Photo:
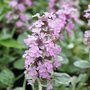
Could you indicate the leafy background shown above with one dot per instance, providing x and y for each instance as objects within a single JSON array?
[{"x": 74, "y": 74}]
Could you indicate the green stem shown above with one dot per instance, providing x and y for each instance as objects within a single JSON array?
[
  {"x": 13, "y": 31},
  {"x": 72, "y": 87},
  {"x": 24, "y": 84},
  {"x": 33, "y": 87},
  {"x": 19, "y": 77},
  {"x": 88, "y": 70},
  {"x": 89, "y": 52},
  {"x": 39, "y": 85}
]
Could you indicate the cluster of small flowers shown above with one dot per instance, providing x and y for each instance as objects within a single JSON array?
[
  {"x": 17, "y": 14},
  {"x": 69, "y": 3},
  {"x": 41, "y": 59},
  {"x": 87, "y": 14},
  {"x": 66, "y": 4},
  {"x": 63, "y": 3},
  {"x": 87, "y": 33},
  {"x": 72, "y": 4}
]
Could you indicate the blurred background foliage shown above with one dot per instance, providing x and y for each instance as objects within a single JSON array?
[{"x": 75, "y": 67}]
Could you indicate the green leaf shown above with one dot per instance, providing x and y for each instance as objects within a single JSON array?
[
  {"x": 11, "y": 43},
  {"x": 18, "y": 88},
  {"x": 82, "y": 78},
  {"x": 19, "y": 64},
  {"x": 61, "y": 88},
  {"x": 4, "y": 34},
  {"x": 21, "y": 38},
  {"x": 82, "y": 64},
  {"x": 61, "y": 79},
  {"x": 6, "y": 60},
  {"x": 6, "y": 78},
  {"x": 63, "y": 59}
]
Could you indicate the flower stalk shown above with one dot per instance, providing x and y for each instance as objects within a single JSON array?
[
  {"x": 24, "y": 84},
  {"x": 39, "y": 85}
]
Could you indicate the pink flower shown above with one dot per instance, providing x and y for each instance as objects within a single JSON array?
[
  {"x": 28, "y": 61},
  {"x": 87, "y": 37},
  {"x": 87, "y": 34},
  {"x": 24, "y": 17},
  {"x": 30, "y": 40},
  {"x": 34, "y": 52},
  {"x": 70, "y": 27},
  {"x": 21, "y": 7},
  {"x": 88, "y": 10},
  {"x": 48, "y": 66},
  {"x": 9, "y": 16},
  {"x": 33, "y": 72},
  {"x": 45, "y": 70},
  {"x": 56, "y": 63},
  {"x": 52, "y": 5},
  {"x": 87, "y": 14},
  {"x": 28, "y": 2},
  {"x": 19, "y": 23},
  {"x": 38, "y": 24},
  {"x": 13, "y": 4},
  {"x": 52, "y": 49},
  {"x": 50, "y": 86}
]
